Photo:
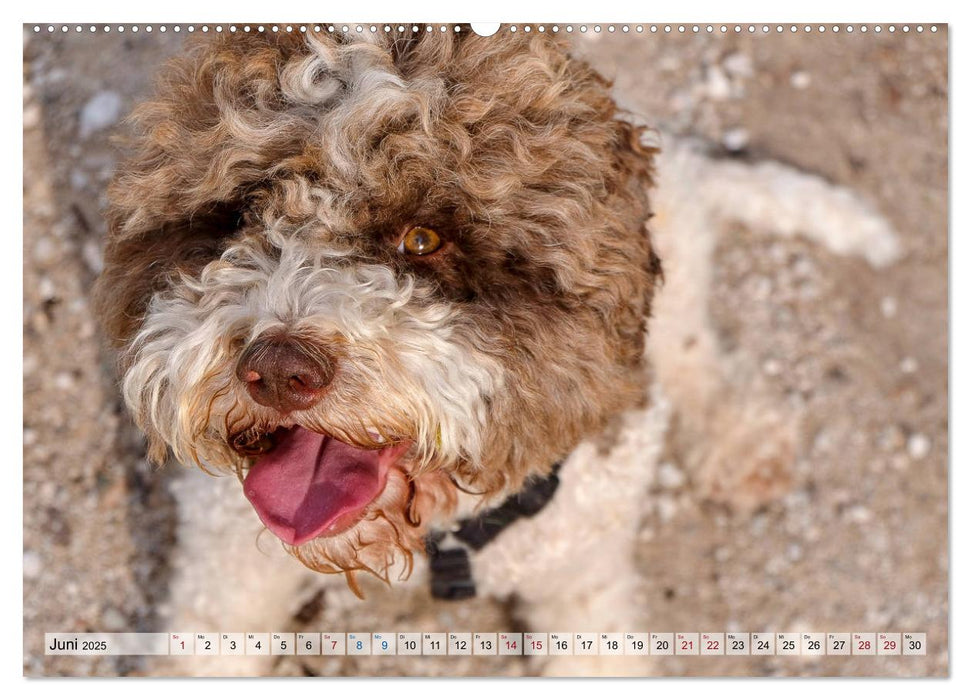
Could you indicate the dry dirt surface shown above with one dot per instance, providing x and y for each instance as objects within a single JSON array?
[{"x": 858, "y": 540}]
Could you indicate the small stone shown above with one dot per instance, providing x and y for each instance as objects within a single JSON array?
[
  {"x": 666, "y": 508},
  {"x": 91, "y": 252},
  {"x": 100, "y": 112},
  {"x": 823, "y": 442},
  {"x": 738, "y": 65},
  {"x": 670, "y": 477},
  {"x": 31, "y": 115},
  {"x": 63, "y": 381},
  {"x": 772, "y": 367},
  {"x": 794, "y": 552},
  {"x": 78, "y": 179},
  {"x": 859, "y": 514},
  {"x": 908, "y": 365},
  {"x": 46, "y": 288},
  {"x": 918, "y": 446},
  {"x": 33, "y": 564},
  {"x": 800, "y": 79},
  {"x": 888, "y": 307},
  {"x": 717, "y": 85},
  {"x": 113, "y": 619},
  {"x": 44, "y": 250},
  {"x": 48, "y": 492},
  {"x": 736, "y": 139}
]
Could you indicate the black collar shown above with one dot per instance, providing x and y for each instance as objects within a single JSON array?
[{"x": 451, "y": 570}]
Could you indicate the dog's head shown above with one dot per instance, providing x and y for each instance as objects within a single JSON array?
[{"x": 364, "y": 272}]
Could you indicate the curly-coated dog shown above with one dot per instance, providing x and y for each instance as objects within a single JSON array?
[
  {"x": 399, "y": 284},
  {"x": 372, "y": 275}
]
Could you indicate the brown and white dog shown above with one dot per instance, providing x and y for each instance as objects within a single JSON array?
[{"x": 389, "y": 281}]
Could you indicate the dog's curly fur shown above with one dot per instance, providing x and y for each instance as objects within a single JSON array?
[{"x": 271, "y": 179}]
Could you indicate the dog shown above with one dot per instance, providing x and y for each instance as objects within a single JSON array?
[{"x": 399, "y": 285}]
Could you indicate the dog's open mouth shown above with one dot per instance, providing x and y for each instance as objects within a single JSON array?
[{"x": 310, "y": 485}]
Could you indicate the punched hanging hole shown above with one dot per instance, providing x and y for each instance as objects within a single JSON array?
[{"x": 485, "y": 28}]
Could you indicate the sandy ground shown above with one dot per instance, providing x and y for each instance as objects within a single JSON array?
[{"x": 859, "y": 539}]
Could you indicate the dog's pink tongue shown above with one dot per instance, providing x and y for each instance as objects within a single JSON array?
[{"x": 308, "y": 481}]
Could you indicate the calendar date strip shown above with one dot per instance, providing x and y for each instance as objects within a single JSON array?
[{"x": 487, "y": 644}]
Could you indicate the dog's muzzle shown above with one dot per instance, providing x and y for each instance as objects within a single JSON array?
[{"x": 283, "y": 373}]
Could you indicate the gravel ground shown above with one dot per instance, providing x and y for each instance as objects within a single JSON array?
[{"x": 858, "y": 542}]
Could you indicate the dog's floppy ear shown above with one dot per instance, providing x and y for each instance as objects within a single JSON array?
[
  {"x": 184, "y": 190},
  {"x": 139, "y": 265}
]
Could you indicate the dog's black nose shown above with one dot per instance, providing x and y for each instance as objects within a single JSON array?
[{"x": 284, "y": 374}]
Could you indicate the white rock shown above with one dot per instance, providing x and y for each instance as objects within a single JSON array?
[
  {"x": 78, "y": 179},
  {"x": 100, "y": 112},
  {"x": 717, "y": 85},
  {"x": 91, "y": 252},
  {"x": 735, "y": 139},
  {"x": 918, "y": 446},
  {"x": 738, "y": 65},
  {"x": 888, "y": 307},
  {"x": 31, "y": 115},
  {"x": 666, "y": 508},
  {"x": 859, "y": 514},
  {"x": 63, "y": 381},
  {"x": 44, "y": 250},
  {"x": 46, "y": 288},
  {"x": 33, "y": 564},
  {"x": 670, "y": 477},
  {"x": 908, "y": 365},
  {"x": 800, "y": 79},
  {"x": 113, "y": 619}
]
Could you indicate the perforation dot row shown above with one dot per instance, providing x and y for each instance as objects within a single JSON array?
[{"x": 583, "y": 28}]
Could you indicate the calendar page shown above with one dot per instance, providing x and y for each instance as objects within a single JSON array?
[{"x": 522, "y": 349}]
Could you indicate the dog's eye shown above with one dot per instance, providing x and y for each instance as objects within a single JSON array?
[{"x": 420, "y": 241}]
